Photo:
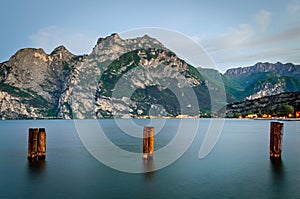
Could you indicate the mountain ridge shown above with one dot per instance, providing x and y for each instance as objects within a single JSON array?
[
  {"x": 287, "y": 69},
  {"x": 34, "y": 84},
  {"x": 271, "y": 105}
]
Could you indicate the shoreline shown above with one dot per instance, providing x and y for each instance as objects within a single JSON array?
[{"x": 206, "y": 118}]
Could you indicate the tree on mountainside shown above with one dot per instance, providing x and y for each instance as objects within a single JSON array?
[
  {"x": 270, "y": 111},
  {"x": 286, "y": 110}
]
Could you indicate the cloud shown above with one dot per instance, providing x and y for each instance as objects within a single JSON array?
[
  {"x": 234, "y": 38},
  {"x": 228, "y": 48},
  {"x": 50, "y": 37},
  {"x": 263, "y": 19},
  {"x": 293, "y": 7},
  {"x": 286, "y": 35},
  {"x": 241, "y": 36},
  {"x": 244, "y": 45}
]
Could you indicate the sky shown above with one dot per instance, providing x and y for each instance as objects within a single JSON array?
[{"x": 234, "y": 33}]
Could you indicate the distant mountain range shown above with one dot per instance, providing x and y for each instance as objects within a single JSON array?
[
  {"x": 151, "y": 80},
  {"x": 262, "y": 79},
  {"x": 281, "y": 104}
]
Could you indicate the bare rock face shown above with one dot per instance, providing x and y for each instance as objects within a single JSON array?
[
  {"x": 267, "y": 89},
  {"x": 29, "y": 70},
  {"x": 288, "y": 69},
  {"x": 35, "y": 71},
  {"x": 145, "y": 80},
  {"x": 153, "y": 80},
  {"x": 13, "y": 108},
  {"x": 112, "y": 47},
  {"x": 263, "y": 79},
  {"x": 85, "y": 95},
  {"x": 269, "y": 104},
  {"x": 34, "y": 80}
]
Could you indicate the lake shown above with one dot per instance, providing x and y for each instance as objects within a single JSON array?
[{"x": 238, "y": 166}]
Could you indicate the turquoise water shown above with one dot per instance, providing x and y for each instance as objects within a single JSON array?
[{"x": 237, "y": 167}]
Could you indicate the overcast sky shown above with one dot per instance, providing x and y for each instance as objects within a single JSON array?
[{"x": 233, "y": 32}]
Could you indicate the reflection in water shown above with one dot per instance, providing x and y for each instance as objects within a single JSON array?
[
  {"x": 277, "y": 168},
  {"x": 149, "y": 167},
  {"x": 35, "y": 178},
  {"x": 277, "y": 177},
  {"x": 36, "y": 165}
]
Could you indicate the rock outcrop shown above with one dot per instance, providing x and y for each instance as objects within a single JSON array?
[
  {"x": 128, "y": 78},
  {"x": 287, "y": 69},
  {"x": 34, "y": 80},
  {"x": 262, "y": 79},
  {"x": 269, "y": 104}
]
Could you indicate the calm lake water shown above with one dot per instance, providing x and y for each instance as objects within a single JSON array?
[{"x": 237, "y": 167}]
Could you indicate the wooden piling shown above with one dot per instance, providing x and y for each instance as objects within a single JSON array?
[
  {"x": 276, "y": 132},
  {"x": 42, "y": 143},
  {"x": 148, "y": 142},
  {"x": 151, "y": 141},
  {"x": 34, "y": 143},
  {"x": 145, "y": 144},
  {"x": 30, "y": 143}
]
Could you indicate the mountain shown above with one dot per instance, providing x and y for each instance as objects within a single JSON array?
[
  {"x": 151, "y": 80},
  {"x": 62, "y": 85},
  {"x": 112, "y": 47},
  {"x": 32, "y": 81},
  {"x": 260, "y": 80},
  {"x": 288, "y": 69},
  {"x": 128, "y": 78},
  {"x": 275, "y": 104},
  {"x": 157, "y": 72},
  {"x": 150, "y": 77}
]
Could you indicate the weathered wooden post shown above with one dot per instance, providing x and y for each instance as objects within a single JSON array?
[
  {"x": 148, "y": 142},
  {"x": 42, "y": 144},
  {"x": 30, "y": 143},
  {"x": 34, "y": 143},
  {"x": 276, "y": 132},
  {"x": 145, "y": 144},
  {"x": 151, "y": 141}
]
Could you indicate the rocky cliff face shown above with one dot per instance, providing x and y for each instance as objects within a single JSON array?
[
  {"x": 34, "y": 80},
  {"x": 281, "y": 69},
  {"x": 127, "y": 78},
  {"x": 263, "y": 79},
  {"x": 90, "y": 89},
  {"x": 267, "y": 89},
  {"x": 269, "y": 104},
  {"x": 13, "y": 108},
  {"x": 112, "y": 47},
  {"x": 142, "y": 79},
  {"x": 82, "y": 84}
]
